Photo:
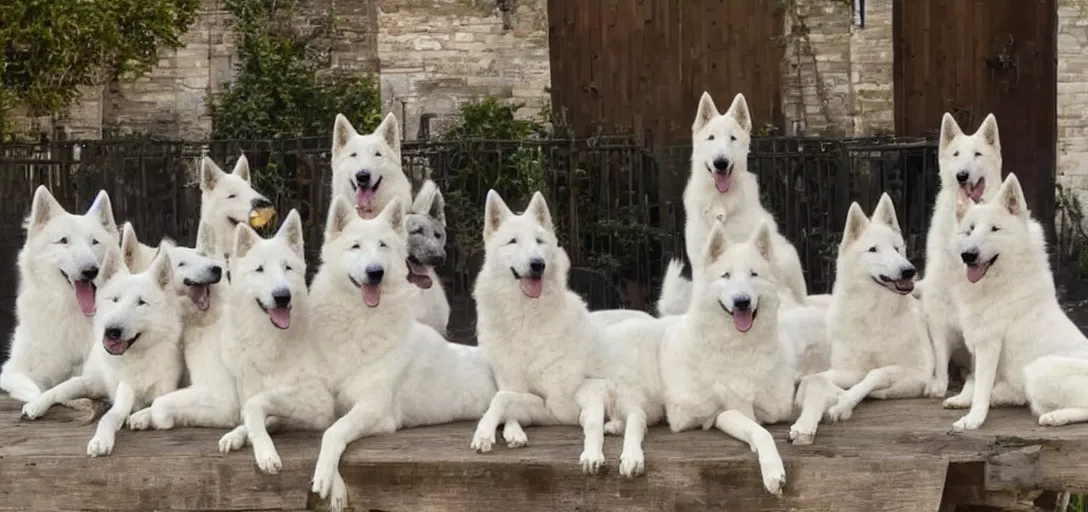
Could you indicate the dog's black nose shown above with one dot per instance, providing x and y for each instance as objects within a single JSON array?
[
  {"x": 217, "y": 272},
  {"x": 536, "y": 267},
  {"x": 908, "y": 273},
  {"x": 89, "y": 273},
  {"x": 721, "y": 164},
  {"x": 260, "y": 202},
  {"x": 362, "y": 177},
  {"x": 969, "y": 256},
  {"x": 962, "y": 176},
  {"x": 114, "y": 333},
  {"x": 282, "y": 297},
  {"x": 375, "y": 273},
  {"x": 742, "y": 302}
]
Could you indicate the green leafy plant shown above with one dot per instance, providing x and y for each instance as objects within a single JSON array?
[{"x": 52, "y": 48}]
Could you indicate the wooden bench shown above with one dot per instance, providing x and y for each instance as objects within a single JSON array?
[{"x": 892, "y": 456}]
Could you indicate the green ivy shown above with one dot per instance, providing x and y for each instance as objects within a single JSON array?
[{"x": 52, "y": 48}]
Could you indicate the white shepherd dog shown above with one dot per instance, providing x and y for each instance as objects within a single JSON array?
[
  {"x": 1026, "y": 350},
  {"x": 879, "y": 345},
  {"x": 135, "y": 357},
  {"x": 228, "y": 200},
  {"x": 727, "y": 363},
  {"x": 136, "y": 254},
  {"x": 267, "y": 345},
  {"x": 722, "y": 190},
  {"x": 58, "y": 270},
  {"x": 970, "y": 168},
  {"x": 536, "y": 334},
  {"x": 208, "y": 398},
  {"x": 390, "y": 372},
  {"x": 366, "y": 169},
  {"x": 426, "y": 223}
]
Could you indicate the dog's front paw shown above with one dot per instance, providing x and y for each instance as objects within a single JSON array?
[
  {"x": 592, "y": 462},
  {"x": 632, "y": 463},
  {"x": 267, "y": 459},
  {"x": 957, "y": 402},
  {"x": 1052, "y": 419},
  {"x": 483, "y": 441},
  {"x": 514, "y": 435},
  {"x": 338, "y": 494},
  {"x": 139, "y": 420},
  {"x": 324, "y": 479},
  {"x": 232, "y": 441},
  {"x": 968, "y": 422},
  {"x": 937, "y": 388},
  {"x": 802, "y": 435},
  {"x": 100, "y": 445},
  {"x": 774, "y": 475},
  {"x": 34, "y": 409},
  {"x": 839, "y": 412}
]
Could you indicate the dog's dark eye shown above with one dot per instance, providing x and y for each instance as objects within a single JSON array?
[
  {"x": 356, "y": 246},
  {"x": 140, "y": 302},
  {"x": 995, "y": 229},
  {"x": 438, "y": 236},
  {"x": 94, "y": 241},
  {"x": 872, "y": 249},
  {"x": 711, "y": 137},
  {"x": 539, "y": 241},
  {"x": 957, "y": 153},
  {"x": 287, "y": 267},
  {"x": 181, "y": 264},
  {"x": 754, "y": 274},
  {"x": 382, "y": 244},
  {"x": 978, "y": 153},
  {"x": 115, "y": 299},
  {"x": 725, "y": 275},
  {"x": 260, "y": 269},
  {"x": 232, "y": 196},
  {"x": 733, "y": 137},
  {"x": 353, "y": 155},
  {"x": 377, "y": 153},
  {"x": 63, "y": 240},
  {"x": 970, "y": 228},
  {"x": 512, "y": 241}
]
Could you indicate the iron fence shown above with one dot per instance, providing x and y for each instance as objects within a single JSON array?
[{"x": 615, "y": 201}]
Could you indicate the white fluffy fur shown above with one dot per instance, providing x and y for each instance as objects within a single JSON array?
[
  {"x": 226, "y": 200},
  {"x": 52, "y": 334},
  {"x": 378, "y": 153},
  {"x": 390, "y": 371},
  {"x": 979, "y": 155},
  {"x": 276, "y": 370},
  {"x": 879, "y": 344},
  {"x": 538, "y": 347},
  {"x": 143, "y": 310},
  {"x": 716, "y": 375},
  {"x": 1025, "y": 349},
  {"x": 136, "y": 254}
]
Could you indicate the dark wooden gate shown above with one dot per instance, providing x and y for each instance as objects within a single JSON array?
[
  {"x": 641, "y": 65},
  {"x": 973, "y": 57}
]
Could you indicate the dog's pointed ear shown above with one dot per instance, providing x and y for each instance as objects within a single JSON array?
[
  {"x": 205, "y": 239},
  {"x": 241, "y": 167},
  {"x": 716, "y": 244},
  {"x": 102, "y": 209},
  {"x": 129, "y": 245},
  {"x": 707, "y": 111},
  {"x": 161, "y": 268},
  {"x": 538, "y": 207},
  {"x": 340, "y": 214},
  {"x": 42, "y": 209},
  {"x": 738, "y": 110},
  {"x": 112, "y": 265},
  {"x": 950, "y": 129},
  {"x": 761, "y": 238},
  {"x": 291, "y": 233},
  {"x": 438, "y": 206},
  {"x": 885, "y": 212},
  {"x": 856, "y": 222},
  {"x": 988, "y": 129},
  {"x": 209, "y": 174},
  {"x": 495, "y": 213},
  {"x": 342, "y": 132},
  {"x": 1011, "y": 196},
  {"x": 394, "y": 213},
  {"x": 389, "y": 131},
  {"x": 244, "y": 239}
]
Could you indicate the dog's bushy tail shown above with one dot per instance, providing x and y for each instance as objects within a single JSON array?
[{"x": 675, "y": 291}]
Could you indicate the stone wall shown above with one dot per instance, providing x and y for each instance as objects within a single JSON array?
[
  {"x": 437, "y": 54},
  {"x": 1073, "y": 96}
]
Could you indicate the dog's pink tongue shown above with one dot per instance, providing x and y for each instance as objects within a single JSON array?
[
  {"x": 531, "y": 287},
  {"x": 114, "y": 347},
  {"x": 974, "y": 274},
  {"x": 722, "y": 181},
  {"x": 421, "y": 280},
  {"x": 85, "y": 297},
  {"x": 364, "y": 199},
  {"x": 201, "y": 294},
  {"x": 372, "y": 294},
  {"x": 742, "y": 319},
  {"x": 281, "y": 317},
  {"x": 977, "y": 190}
]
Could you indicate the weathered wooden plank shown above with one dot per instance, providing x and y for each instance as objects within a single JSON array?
[{"x": 891, "y": 456}]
